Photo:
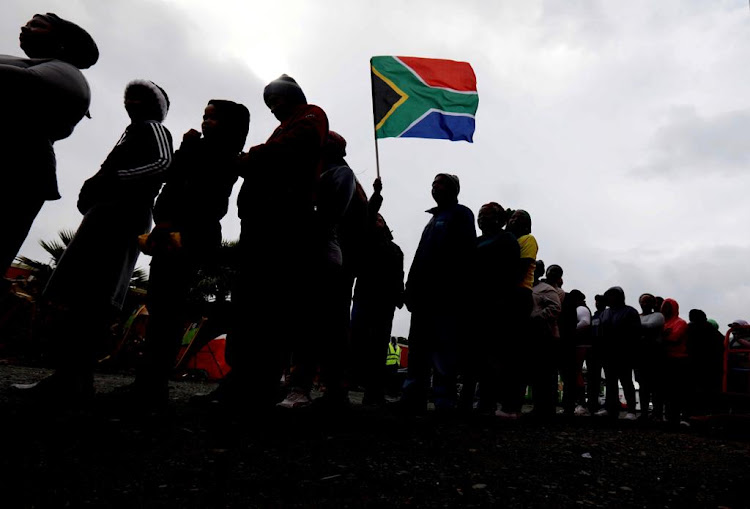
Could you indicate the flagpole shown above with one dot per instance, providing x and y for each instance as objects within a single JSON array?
[
  {"x": 377, "y": 157},
  {"x": 374, "y": 128}
]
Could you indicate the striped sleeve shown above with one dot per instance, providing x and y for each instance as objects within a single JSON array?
[{"x": 160, "y": 155}]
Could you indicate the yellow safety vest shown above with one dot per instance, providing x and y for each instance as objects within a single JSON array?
[{"x": 394, "y": 355}]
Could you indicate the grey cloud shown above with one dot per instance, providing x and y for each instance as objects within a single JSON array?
[{"x": 691, "y": 144}]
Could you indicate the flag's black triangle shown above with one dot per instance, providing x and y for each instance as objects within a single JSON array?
[{"x": 384, "y": 97}]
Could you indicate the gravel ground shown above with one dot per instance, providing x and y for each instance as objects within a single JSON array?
[{"x": 359, "y": 458}]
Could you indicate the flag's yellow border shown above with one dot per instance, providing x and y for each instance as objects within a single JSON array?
[{"x": 400, "y": 92}]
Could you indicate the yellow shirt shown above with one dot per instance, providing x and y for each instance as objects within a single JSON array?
[{"x": 529, "y": 249}]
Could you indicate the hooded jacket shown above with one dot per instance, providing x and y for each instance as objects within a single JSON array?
[
  {"x": 619, "y": 324},
  {"x": 282, "y": 174},
  {"x": 675, "y": 330}
]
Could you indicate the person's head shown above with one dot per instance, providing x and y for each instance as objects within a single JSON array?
[
  {"x": 658, "y": 302},
  {"x": 670, "y": 309},
  {"x": 381, "y": 228},
  {"x": 445, "y": 189},
  {"x": 579, "y": 299},
  {"x": 519, "y": 223},
  {"x": 713, "y": 323},
  {"x": 49, "y": 36},
  {"x": 738, "y": 323},
  {"x": 647, "y": 303},
  {"x": 334, "y": 149},
  {"x": 491, "y": 218},
  {"x": 697, "y": 316},
  {"x": 227, "y": 121},
  {"x": 600, "y": 302},
  {"x": 615, "y": 297},
  {"x": 145, "y": 100},
  {"x": 538, "y": 269},
  {"x": 282, "y": 96},
  {"x": 554, "y": 275}
]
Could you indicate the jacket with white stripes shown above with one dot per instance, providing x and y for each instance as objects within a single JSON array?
[{"x": 134, "y": 170}]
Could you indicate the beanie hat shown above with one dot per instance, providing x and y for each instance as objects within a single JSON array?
[
  {"x": 78, "y": 48},
  {"x": 453, "y": 179},
  {"x": 160, "y": 96},
  {"x": 287, "y": 87},
  {"x": 235, "y": 121}
]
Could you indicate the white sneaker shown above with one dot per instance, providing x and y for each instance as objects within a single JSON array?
[
  {"x": 602, "y": 413},
  {"x": 630, "y": 416},
  {"x": 506, "y": 415},
  {"x": 581, "y": 411},
  {"x": 295, "y": 399}
]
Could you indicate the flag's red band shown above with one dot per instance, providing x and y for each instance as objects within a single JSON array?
[{"x": 450, "y": 74}]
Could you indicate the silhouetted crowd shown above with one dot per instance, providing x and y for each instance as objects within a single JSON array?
[{"x": 320, "y": 276}]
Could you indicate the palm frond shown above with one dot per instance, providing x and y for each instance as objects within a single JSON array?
[{"x": 31, "y": 264}]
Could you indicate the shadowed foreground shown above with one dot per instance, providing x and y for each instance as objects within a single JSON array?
[{"x": 363, "y": 457}]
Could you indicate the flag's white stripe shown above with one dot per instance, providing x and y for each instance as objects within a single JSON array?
[
  {"x": 430, "y": 111},
  {"x": 465, "y": 92}
]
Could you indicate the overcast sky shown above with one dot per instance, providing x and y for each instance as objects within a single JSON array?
[{"x": 622, "y": 127}]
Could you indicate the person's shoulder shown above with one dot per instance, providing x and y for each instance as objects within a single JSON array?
[
  {"x": 311, "y": 111},
  {"x": 152, "y": 125},
  {"x": 464, "y": 211}
]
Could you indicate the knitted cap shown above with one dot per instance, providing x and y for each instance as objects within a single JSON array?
[
  {"x": 78, "y": 48},
  {"x": 287, "y": 87},
  {"x": 160, "y": 96}
]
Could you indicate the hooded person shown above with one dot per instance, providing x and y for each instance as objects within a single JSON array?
[
  {"x": 45, "y": 95},
  {"x": 705, "y": 348},
  {"x": 492, "y": 353},
  {"x": 544, "y": 334},
  {"x": 438, "y": 290},
  {"x": 378, "y": 291},
  {"x": 116, "y": 205},
  {"x": 280, "y": 253},
  {"x": 650, "y": 363},
  {"x": 676, "y": 367},
  {"x": 620, "y": 329},
  {"x": 186, "y": 239}
]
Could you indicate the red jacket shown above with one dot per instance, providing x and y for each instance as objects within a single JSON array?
[
  {"x": 675, "y": 330},
  {"x": 281, "y": 175}
]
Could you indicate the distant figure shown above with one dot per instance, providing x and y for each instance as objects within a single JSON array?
[
  {"x": 650, "y": 359},
  {"x": 44, "y": 97},
  {"x": 595, "y": 359},
  {"x": 565, "y": 349},
  {"x": 545, "y": 333},
  {"x": 187, "y": 237},
  {"x": 492, "y": 352},
  {"x": 116, "y": 203},
  {"x": 392, "y": 365},
  {"x": 620, "y": 333},
  {"x": 379, "y": 290},
  {"x": 582, "y": 343},
  {"x": 519, "y": 224},
  {"x": 437, "y": 293},
  {"x": 705, "y": 349},
  {"x": 676, "y": 382},
  {"x": 330, "y": 325},
  {"x": 279, "y": 251}
]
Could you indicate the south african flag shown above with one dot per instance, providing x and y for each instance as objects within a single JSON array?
[{"x": 423, "y": 98}]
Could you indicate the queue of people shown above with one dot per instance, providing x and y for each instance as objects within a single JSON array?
[{"x": 318, "y": 266}]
